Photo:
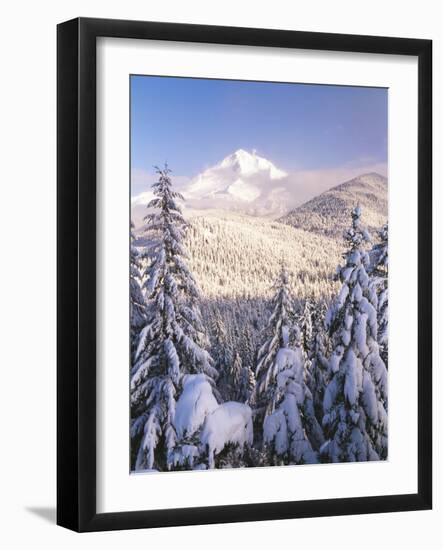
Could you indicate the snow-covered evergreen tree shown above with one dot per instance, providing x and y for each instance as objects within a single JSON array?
[
  {"x": 379, "y": 254},
  {"x": 222, "y": 353},
  {"x": 283, "y": 398},
  {"x": 318, "y": 360},
  {"x": 305, "y": 324},
  {"x": 355, "y": 401},
  {"x": 285, "y": 427},
  {"x": 137, "y": 300},
  {"x": 379, "y": 282},
  {"x": 245, "y": 342},
  {"x": 279, "y": 332},
  {"x": 247, "y": 386},
  {"x": 235, "y": 374},
  {"x": 170, "y": 344}
]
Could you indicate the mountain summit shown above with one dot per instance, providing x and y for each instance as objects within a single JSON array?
[
  {"x": 248, "y": 164},
  {"x": 241, "y": 181}
]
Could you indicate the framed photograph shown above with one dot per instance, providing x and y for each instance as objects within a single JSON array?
[{"x": 244, "y": 274}]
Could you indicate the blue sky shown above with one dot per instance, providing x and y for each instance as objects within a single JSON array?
[{"x": 195, "y": 123}]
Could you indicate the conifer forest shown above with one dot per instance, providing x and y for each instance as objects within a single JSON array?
[{"x": 258, "y": 339}]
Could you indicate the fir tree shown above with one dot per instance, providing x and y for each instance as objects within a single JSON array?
[
  {"x": 281, "y": 389},
  {"x": 285, "y": 428},
  {"x": 247, "y": 386},
  {"x": 170, "y": 344},
  {"x": 221, "y": 351},
  {"x": 235, "y": 373},
  {"x": 379, "y": 254},
  {"x": 137, "y": 300},
  {"x": 279, "y": 334},
  {"x": 248, "y": 346},
  {"x": 379, "y": 282},
  {"x": 355, "y": 401},
  {"x": 305, "y": 324},
  {"x": 318, "y": 360}
]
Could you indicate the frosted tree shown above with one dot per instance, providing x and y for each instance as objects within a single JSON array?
[
  {"x": 195, "y": 403},
  {"x": 379, "y": 254},
  {"x": 278, "y": 336},
  {"x": 313, "y": 381},
  {"x": 355, "y": 401},
  {"x": 305, "y": 323},
  {"x": 137, "y": 300},
  {"x": 285, "y": 428},
  {"x": 235, "y": 375},
  {"x": 245, "y": 338},
  {"x": 222, "y": 354},
  {"x": 170, "y": 343},
  {"x": 318, "y": 360},
  {"x": 379, "y": 282},
  {"x": 247, "y": 385},
  {"x": 281, "y": 390}
]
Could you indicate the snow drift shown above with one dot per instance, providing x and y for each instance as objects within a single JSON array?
[{"x": 231, "y": 422}]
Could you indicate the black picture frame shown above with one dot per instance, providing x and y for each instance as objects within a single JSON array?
[{"x": 76, "y": 279}]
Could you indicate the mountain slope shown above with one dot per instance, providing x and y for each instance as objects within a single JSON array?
[
  {"x": 328, "y": 213},
  {"x": 234, "y": 255}
]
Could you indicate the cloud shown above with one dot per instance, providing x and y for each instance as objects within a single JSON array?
[
  {"x": 306, "y": 184},
  {"x": 275, "y": 197}
]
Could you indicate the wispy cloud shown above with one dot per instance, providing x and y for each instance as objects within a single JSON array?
[
  {"x": 306, "y": 184},
  {"x": 277, "y": 196}
]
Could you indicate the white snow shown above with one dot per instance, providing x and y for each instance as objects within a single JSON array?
[
  {"x": 353, "y": 376},
  {"x": 242, "y": 179},
  {"x": 285, "y": 429},
  {"x": 243, "y": 190},
  {"x": 194, "y": 404},
  {"x": 231, "y": 422},
  {"x": 185, "y": 456}
]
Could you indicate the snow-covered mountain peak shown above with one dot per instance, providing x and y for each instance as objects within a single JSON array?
[
  {"x": 247, "y": 164},
  {"x": 241, "y": 180}
]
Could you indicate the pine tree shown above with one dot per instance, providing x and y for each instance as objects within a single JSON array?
[
  {"x": 235, "y": 373},
  {"x": 305, "y": 324},
  {"x": 247, "y": 386},
  {"x": 355, "y": 401},
  {"x": 279, "y": 335},
  {"x": 285, "y": 428},
  {"x": 222, "y": 353},
  {"x": 170, "y": 344},
  {"x": 379, "y": 283},
  {"x": 248, "y": 346},
  {"x": 137, "y": 300},
  {"x": 281, "y": 389},
  {"x": 379, "y": 254},
  {"x": 318, "y": 360}
]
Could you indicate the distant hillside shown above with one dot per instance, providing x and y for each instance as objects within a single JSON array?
[
  {"x": 329, "y": 213},
  {"x": 236, "y": 255}
]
